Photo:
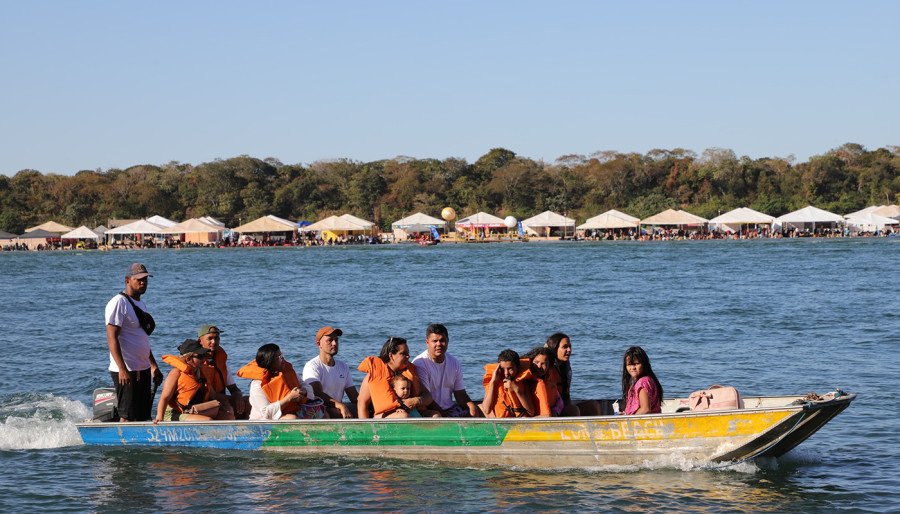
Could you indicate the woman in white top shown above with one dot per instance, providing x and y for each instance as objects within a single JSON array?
[{"x": 275, "y": 390}]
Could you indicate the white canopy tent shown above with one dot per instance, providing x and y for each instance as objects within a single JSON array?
[
  {"x": 359, "y": 221},
  {"x": 810, "y": 214},
  {"x": 81, "y": 232},
  {"x": 545, "y": 222},
  {"x": 162, "y": 222},
  {"x": 608, "y": 221},
  {"x": 418, "y": 218},
  {"x": 871, "y": 222},
  {"x": 674, "y": 218},
  {"x": 863, "y": 212},
  {"x": 733, "y": 220},
  {"x": 211, "y": 221},
  {"x": 336, "y": 224},
  {"x": 481, "y": 220},
  {"x": 268, "y": 223},
  {"x": 51, "y": 226},
  {"x": 412, "y": 224},
  {"x": 137, "y": 229},
  {"x": 141, "y": 226},
  {"x": 195, "y": 230},
  {"x": 888, "y": 211}
]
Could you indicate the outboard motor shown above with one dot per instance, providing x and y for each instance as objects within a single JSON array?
[{"x": 105, "y": 404}]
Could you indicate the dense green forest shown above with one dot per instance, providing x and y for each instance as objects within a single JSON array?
[{"x": 242, "y": 188}]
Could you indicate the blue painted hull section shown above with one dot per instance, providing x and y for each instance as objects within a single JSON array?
[{"x": 243, "y": 436}]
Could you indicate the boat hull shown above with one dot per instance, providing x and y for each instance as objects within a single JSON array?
[{"x": 583, "y": 442}]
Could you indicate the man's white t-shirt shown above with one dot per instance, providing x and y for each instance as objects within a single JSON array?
[
  {"x": 133, "y": 341},
  {"x": 334, "y": 379},
  {"x": 440, "y": 379}
]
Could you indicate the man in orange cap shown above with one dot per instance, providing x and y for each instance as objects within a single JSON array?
[{"x": 329, "y": 377}]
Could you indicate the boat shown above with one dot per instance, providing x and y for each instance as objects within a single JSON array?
[{"x": 765, "y": 427}]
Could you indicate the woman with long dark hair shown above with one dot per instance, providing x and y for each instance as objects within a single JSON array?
[
  {"x": 561, "y": 347},
  {"x": 376, "y": 389}
]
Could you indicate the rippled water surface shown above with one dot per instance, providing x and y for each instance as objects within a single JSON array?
[{"x": 770, "y": 317}]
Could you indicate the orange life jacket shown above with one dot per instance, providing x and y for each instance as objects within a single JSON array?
[
  {"x": 380, "y": 374},
  {"x": 219, "y": 369},
  {"x": 188, "y": 385},
  {"x": 506, "y": 402},
  {"x": 276, "y": 387}
]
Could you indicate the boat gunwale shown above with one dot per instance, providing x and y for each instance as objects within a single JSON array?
[{"x": 809, "y": 405}]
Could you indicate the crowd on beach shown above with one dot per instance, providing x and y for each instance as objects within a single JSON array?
[{"x": 201, "y": 386}]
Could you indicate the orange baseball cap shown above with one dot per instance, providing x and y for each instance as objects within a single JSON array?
[{"x": 328, "y": 331}]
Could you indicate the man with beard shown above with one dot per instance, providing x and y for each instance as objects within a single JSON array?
[{"x": 131, "y": 362}]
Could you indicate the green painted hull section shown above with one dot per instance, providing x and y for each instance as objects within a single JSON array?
[{"x": 390, "y": 434}]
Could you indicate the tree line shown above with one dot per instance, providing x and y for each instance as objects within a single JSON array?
[{"x": 240, "y": 189}]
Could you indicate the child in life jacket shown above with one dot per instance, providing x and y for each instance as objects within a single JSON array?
[
  {"x": 403, "y": 389},
  {"x": 640, "y": 387}
]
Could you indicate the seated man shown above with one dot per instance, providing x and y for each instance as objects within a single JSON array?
[
  {"x": 441, "y": 374},
  {"x": 506, "y": 395},
  {"x": 210, "y": 338},
  {"x": 329, "y": 377}
]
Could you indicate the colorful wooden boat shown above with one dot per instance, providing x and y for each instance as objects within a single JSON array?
[{"x": 766, "y": 427}]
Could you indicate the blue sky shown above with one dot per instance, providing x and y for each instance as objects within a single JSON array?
[{"x": 90, "y": 85}]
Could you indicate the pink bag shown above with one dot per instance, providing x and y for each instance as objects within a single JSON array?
[{"x": 717, "y": 397}]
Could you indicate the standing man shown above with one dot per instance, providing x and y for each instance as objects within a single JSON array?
[
  {"x": 131, "y": 362},
  {"x": 441, "y": 374},
  {"x": 330, "y": 378},
  {"x": 209, "y": 337}
]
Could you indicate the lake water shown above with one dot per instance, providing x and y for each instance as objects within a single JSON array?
[{"x": 769, "y": 317}]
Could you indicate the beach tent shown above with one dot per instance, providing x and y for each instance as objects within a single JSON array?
[
  {"x": 7, "y": 239},
  {"x": 545, "y": 222},
  {"x": 809, "y": 215},
  {"x": 481, "y": 220},
  {"x": 419, "y": 219},
  {"x": 863, "y": 212},
  {"x": 195, "y": 230},
  {"x": 100, "y": 230},
  {"x": 81, "y": 232},
  {"x": 418, "y": 229},
  {"x": 267, "y": 223},
  {"x": 162, "y": 222},
  {"x": 888, "y": 211},
  {"x": 608, "y": 221},
  {"x": 51, "y": 226},
  {"x": 733, "y": 220},
  {"x": 671, "y": 217},
  {"x": 336, "y": 224},
  {"x": 211, "y": 221},
  {"x": 401, "y": 227},
  {"x": 871, "y": 222},
  {"x": 38, "y": 237},
  {"x": 136, "y": 227},
  {"x": 359, "y": 221}
]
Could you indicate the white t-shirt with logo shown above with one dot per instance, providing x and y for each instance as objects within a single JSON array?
[
  {"x": 334, "y": 379},
  {"x": 440, "y": 379},
  {"x": 134, "y": 343}
]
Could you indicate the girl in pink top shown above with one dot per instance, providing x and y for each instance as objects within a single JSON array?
[{"x": 640, "y": 387}]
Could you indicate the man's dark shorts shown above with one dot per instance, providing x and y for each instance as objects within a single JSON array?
[{"x": 134, "y": 399}]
